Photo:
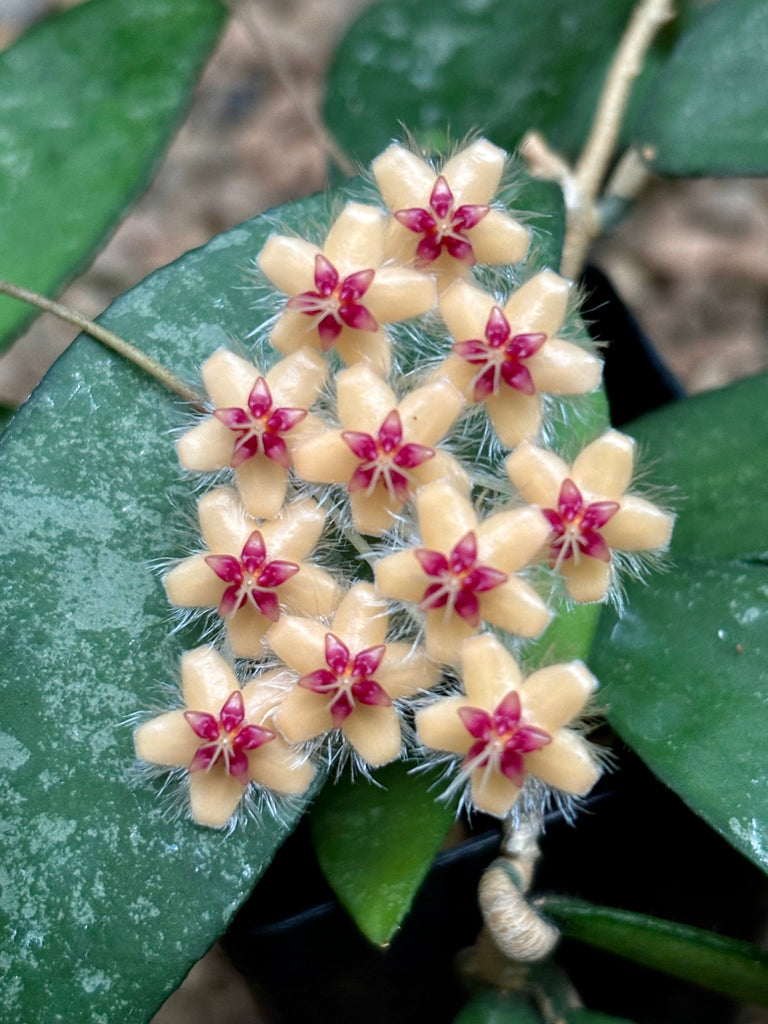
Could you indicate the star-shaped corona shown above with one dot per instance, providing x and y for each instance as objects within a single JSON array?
[
  {"x": 508, "y": 728},
  {"x": 224, "y": 737},
  {"x": 588, "y": 510},
  {"x": 342, "y": 296},
  {"x": 444, "y": 222},
  {"x": 349, "y": 676},
  {"x": 464, "y": 573},
  {"x": 251, "y": 569}
]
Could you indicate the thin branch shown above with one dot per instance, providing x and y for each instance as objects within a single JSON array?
[
  {"x": 590, "y": 170},
  {"x": 113, "y": 341},
  {"x": 627, "y": 63},
  {"x": 327, "y": 143}
]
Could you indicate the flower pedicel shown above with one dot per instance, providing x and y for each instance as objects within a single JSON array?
[{"x": 384, "y": 483}]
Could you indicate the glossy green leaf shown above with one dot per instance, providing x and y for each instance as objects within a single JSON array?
[
  {"x": 685, "y": 676},
  {"x": 736, "y": 969},
  {"x": 503, "y": 67},
  {"x": 708, "y": 109},
  {"x": 685, "y": 668},
  {"x": 375, "y": 845},
  {"x": 105, "y": 900},
  {"x": 88, "y": 100}
]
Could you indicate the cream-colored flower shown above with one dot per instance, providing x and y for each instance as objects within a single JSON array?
[
  {"x": 340, "y": 296},
  {"x": 509, "y": 357},
  {"x": 444, "y": 223},
  {"x": 224, "y": 737},
  {"x": 384, "y": 451},
  {"x": 349, "y": 676},
  {"x": 508, "y": 727},
  {"x": 256, "y": 424},
  {"x": 252, "y": 570},
  {"x": 588, "y": 510},
  {"x": 463, "y": 576}
]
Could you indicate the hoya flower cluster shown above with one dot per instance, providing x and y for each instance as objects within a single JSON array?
[{"x": 387, "y": 537}]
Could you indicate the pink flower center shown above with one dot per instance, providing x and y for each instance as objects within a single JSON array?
[
  {"x": 576, "y": 526},
  {"x": 500, "y": 358},
  {"x": 227, "y": 738},
  {"x": 502, "y": 740},
  {"x": 251, "y": 578},
  {"x": 384, "y": 459},
  {"x": 258, "y": 428},
  {"x": 442, "y": 226},
  {"x": 335, "y": 304},
  {"x": 347, "y": 680},
  {"x": 459, "y": 579}
]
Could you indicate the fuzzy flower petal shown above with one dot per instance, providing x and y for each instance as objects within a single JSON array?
[
  {"x": 463, "y": 575},
  {"x": 255, "y": 424},
  {"x": 441, "y": 220},
  {"x": 588, "y": 511},
  {"x": 384, "y": 451},
  {"x": 339, "y": 297},
  {"x": 349, "y": 676},
  {"x": 508, "y": 728},
  {"x": 253, "y": 570},
  {"x": 509, "y": 357},
  {"x": 222, "y": 738}
]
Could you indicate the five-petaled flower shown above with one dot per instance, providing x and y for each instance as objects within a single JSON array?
[
  {"x": 588, "y": 511},
  {"x": 257, "y": 422},
  {"x": 444, "y": 222},
  {"x": 341, "y": 296},
  {"x": 384, "y": 451},
  {"x": 252, "y": 569},
  {"x": 349, "y": 676},
  {"x": 508, "y": 357},
  {"x": 508, "y": 728},
  {"x": 464, "y": 574},
  {"x": 224, "y": 737}
]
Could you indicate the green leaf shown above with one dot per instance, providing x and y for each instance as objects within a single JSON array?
[
  {"x": 375, "y": 845},
  {"x": 106, "y": 900},
  {"x": 685, "y": 668},
  {"x": 503, "y": 67},
  {"x": 736, "y": 969},
  {"x": 90, "y": 100},
  {"x": 708, "y": 109},
  {"x": 685, "y": 675}
]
